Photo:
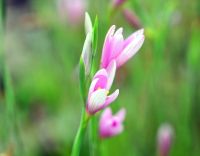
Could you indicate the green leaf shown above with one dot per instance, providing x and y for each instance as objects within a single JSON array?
[{"x": 193, "y": 50}]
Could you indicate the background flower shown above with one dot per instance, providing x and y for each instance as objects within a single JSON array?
[
  {"x": 111, "y": 125},
  {"x": 72, "y": 11}
]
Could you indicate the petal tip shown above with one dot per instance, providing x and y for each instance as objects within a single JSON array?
[{"x": 117, "y": 92}]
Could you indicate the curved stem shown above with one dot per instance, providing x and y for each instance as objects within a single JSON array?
[{"x": 80, "y": 134}]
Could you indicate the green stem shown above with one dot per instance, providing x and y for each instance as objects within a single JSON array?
[
  {"x": 93, "y": 136},
  {"x": 103, "y": 151},
  {"x": 80, "y": 134}
]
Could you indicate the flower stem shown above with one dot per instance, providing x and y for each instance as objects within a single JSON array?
[
  {"x": 103, "y": 151},
  {"x": 93, "y": 137},
  {"x": 80, "y": 134}
]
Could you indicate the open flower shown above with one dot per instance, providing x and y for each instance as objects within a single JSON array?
[
  {"x": 116, "y": 48},
  {"x": 98, "y": 97},
  {"x": 111, "y": 125}
]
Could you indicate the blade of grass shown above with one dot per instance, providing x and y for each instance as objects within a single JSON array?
[{"x": 12, "y": 129}]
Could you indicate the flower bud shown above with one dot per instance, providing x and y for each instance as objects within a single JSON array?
[
  {"x": 131, "y": 18},
  {"x": 88, "y": 24},
  {"x": 72, "y": 11},
  {"x": 86, "y": 53},
  {"x": 165, "y": 136},
  {"x": 117, "y": 3}
]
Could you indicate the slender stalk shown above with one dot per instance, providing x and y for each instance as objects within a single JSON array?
[
  {"x": 93, "y": 136},
  {"x": 103, "y": 151},
  {"x": 80, "y": 134},
  {"x": 1, "y": 56}
]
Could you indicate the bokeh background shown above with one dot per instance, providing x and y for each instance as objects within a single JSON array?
[{"x": 43, "y": 44}]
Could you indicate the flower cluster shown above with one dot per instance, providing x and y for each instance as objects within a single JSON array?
[{"x": 117, "y": 50}]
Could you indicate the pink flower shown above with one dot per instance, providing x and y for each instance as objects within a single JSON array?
[
  {"x": 98, "y": 92},
  {"x": 111, "y": 125},
  {"x": 116, "y": 48},
  {"x": 165, "y": 136}
]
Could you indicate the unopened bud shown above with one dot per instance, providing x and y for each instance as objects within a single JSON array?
[
  {"x": 165, "y": 136},
  {"x": 88, "y": 24},
  {"x": 117, "y": 3},
  {"x": 131, "y": 18}
]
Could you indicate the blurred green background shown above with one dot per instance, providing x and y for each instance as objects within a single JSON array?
[{"x": 160, "y": 84}]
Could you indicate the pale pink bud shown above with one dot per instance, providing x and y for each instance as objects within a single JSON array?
[
  {"x": 98, "y": 97},
  {"x": 118, "y": 3},
  {"x": 87, "y": 52},
  {"x": 88, "y": 24},
  {"x": 111, "y": 125},
  {"x": 120, "y": 49},
  {"x": 72, "y": 10},
  {"x": 87, "y": 47},
  {"x": 165, "y": 136},
  {"x": 131, "y": 18}
]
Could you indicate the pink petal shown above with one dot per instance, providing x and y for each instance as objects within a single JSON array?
[
  {"x": 117, "y": 44},
  {"x": 102, "y": 76},
  {"x": 101, "y": 83},
  {"x": 117, "y": 129},
  {"x": 111, "y": 70},
  {"x": 100, "y": 73},
  {"x": 130, "y": 50},
  {"x": 107, "y": 114},
  {"x": 133, "y": 36},
  {"x": 96, "y": 101},
  {"x": 110, "y": 128},
  {"x": 92, "y": 86},
  {"x": 111, "y": 98},
  {"x": 106, "y": 48},
  {"x": 110, "y": 125},
  {"x": 118, "y": 32},
  {"x": 121, "y": 115}
]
